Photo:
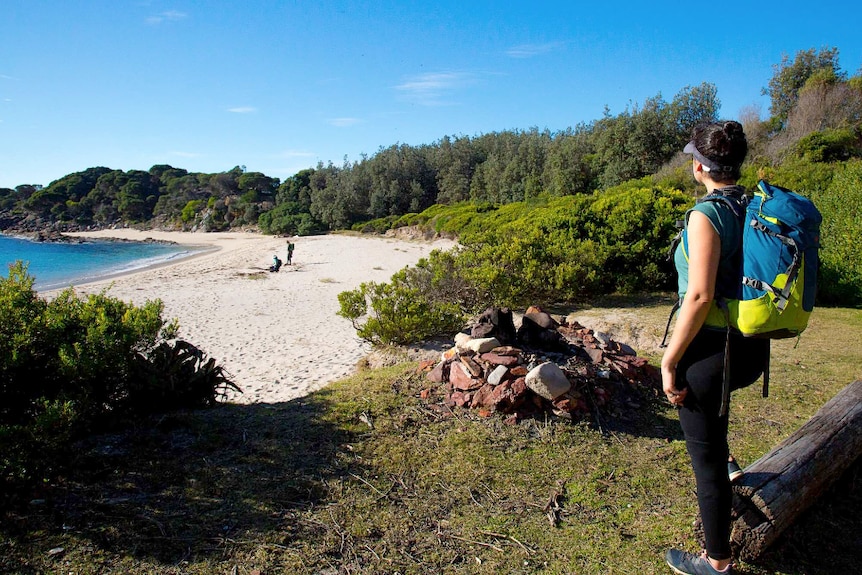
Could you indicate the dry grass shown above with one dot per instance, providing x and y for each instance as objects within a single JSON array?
[{"x": 364, "y": 477}]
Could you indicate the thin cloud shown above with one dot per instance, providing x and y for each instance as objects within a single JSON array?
[
  {"x": 242, "y": 110},
  {"x": 167, "y": 16},
  {"x": 343, "y": 122},
  {"x": 532, "y": 50},
  {"x": 431, "y": 89},
  {"x": 5, "y": 77}
]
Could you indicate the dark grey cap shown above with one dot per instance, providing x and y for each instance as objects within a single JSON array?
[{"x": 710, "y": 165}]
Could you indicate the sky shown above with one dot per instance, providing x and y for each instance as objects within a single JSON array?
[{"x": 279, "y": 86}]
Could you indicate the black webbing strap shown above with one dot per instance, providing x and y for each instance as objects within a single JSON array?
[
  {"x": 676, "y": 305},
  {"x": 725, "y": 375}
]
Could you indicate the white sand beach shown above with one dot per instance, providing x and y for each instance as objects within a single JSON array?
[{"x": 277, "y": 334}]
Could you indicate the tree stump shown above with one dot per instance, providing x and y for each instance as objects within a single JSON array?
[{"x": 782, "y": 484}]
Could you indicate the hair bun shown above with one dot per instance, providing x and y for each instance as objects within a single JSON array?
[{"x": 732, "y": 129}]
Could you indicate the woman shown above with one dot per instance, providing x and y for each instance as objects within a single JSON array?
[{"x": 694, "y": 363}]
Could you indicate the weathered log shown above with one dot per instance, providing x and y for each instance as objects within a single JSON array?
[{"x": 782, "y": 484}]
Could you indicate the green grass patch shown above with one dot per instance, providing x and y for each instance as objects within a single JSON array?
[{"x": 364, "y": 477}]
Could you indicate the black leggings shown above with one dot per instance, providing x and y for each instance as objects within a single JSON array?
[{"x": 701, "y": 370}]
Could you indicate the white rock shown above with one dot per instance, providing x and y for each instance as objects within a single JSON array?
[
  {"x": 496, "y": 376},
  {"x": 482, "y": 344},
  {"x": 461, "y": 340},
  {"x": 548, "y": 380}
]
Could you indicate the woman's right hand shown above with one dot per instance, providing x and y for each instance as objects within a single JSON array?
[{"x": 675, "y": 396}]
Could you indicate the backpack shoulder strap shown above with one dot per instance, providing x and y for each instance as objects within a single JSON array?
[{"x": 734, "y": 198}]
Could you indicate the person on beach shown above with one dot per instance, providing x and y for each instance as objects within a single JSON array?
[
  {"x": 289, "y": 253},
  {"x": 276, "y": 264},
  {"x": 693, "y": 365}
]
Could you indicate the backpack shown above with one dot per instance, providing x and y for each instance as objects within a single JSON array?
[{"x": 773, "y": 296}]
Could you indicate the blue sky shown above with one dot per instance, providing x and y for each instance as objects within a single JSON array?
[{"x": 278, "y": 86}]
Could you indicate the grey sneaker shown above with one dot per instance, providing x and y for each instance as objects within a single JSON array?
[
  {"x": 734, "y": 472},
  {"x": 688, "y": 564}
]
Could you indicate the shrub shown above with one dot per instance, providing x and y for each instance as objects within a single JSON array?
[
  {"x": 578, "y": 246},
  {"x": 830, "y": 145},
  {"x": 289, "y": 219},
  {"x": 190, "y": 210},
  {"x": 75, "y": 364},
  {"x": 398, "y": 312},
  {"x": 841, "y": 253},
  {"x": 376, "y": 226}
]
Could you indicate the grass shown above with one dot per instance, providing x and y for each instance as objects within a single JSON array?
[{"x": 366, "y": 477}]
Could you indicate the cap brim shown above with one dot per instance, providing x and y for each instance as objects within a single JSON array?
[{"x": 689, "y": 148}]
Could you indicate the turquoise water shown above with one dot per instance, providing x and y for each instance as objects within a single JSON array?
[{"x": 59, "y": 265}]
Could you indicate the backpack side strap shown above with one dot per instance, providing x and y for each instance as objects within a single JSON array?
[{"x": 676, "y": 305}]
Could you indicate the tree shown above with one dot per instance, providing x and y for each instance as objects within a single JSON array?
[
  {"x": 693, "y": 106},
  {"x": 788, "y": 78},
  {"x": 260, "y": 183},
  {"x": 296, "y": 188},
  {"x": 568, "y": 166}
]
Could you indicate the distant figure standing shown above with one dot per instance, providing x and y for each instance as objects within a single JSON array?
[{"x": 289, "y": 253}]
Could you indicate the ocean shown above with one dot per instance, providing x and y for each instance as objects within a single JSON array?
[{"x": 57, "y": 265}]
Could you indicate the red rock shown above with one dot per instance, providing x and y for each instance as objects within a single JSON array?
[
  {"x": 506, "y": 350},
  {"x": 510, "y": 394},
  {"x": 595, "y": 354},
  {"x": 497, "y": 359},
  {"x": 426, "y": 365},
  {"x": 461, "y": 380},
  {"x": 471, "y": 366},
  {"x": 519, "y": 386},
  {"x": 440, "y": 373},
  {"x": 425, "y": 393},
  {"x": 519, "y": 370},
  {"x": 511, "y": 420},
  {"x": 458, "y": 399},
  {"x": 485, "y": 412},
  {"x": 483, "y": 397},
  {"x": 564, "y": 404}
]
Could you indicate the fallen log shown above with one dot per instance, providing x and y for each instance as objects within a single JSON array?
[{"x": 782, "y": 484}]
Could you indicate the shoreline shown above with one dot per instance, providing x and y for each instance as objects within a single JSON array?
[{"x": 276, "y": 334}]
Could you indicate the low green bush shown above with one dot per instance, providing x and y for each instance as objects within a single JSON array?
[
  {"x": 72, "y": 365},
  {"x": 830, "y": 145},
  {"x": 289, "y": 219},
  {"x": 577, "y": 247},
  {"x": 841, "y": 253},
  {"x": 399, "y": 312}
]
